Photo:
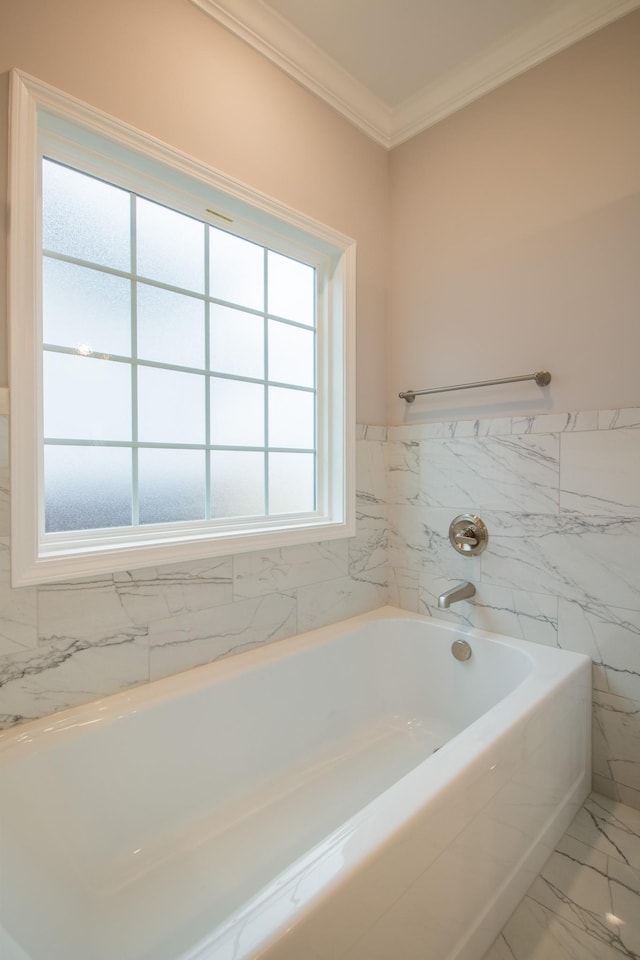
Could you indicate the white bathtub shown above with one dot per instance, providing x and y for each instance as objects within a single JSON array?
[{"x": 288, "y": 804}]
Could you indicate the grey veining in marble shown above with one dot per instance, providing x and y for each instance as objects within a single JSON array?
[
  {"x": 512, "y": 613},
  {"x": 588, "y": 559},
  {"x": 556, "y": 422},
  {"x": 600, "y": 473},
  {"x": 585, "y": 904},
  {"x": 499, "y": 473},
  {"x": 616, "y": 419}
]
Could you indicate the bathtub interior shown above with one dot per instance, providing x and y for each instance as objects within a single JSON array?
[{"x": 137, "y": 830}]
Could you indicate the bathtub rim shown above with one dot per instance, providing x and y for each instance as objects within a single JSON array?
[{"x": 143, "y": 696}]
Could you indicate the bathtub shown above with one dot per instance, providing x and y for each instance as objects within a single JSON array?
[{"x": 354, "y": 792}]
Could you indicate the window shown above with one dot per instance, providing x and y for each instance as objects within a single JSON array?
[{"x": 180, "y": 369}]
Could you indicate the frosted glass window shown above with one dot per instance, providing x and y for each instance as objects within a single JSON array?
[
  {"x": 291, "y": 418},
  {"x": 237, "y": 483},
  {"x": 237, "y": 413},
  {"x": 86, "y": 399},
  {"x": 291, "y": 482},
  {"x": 291, "y": 354},
  {"x": 87, "y": 487},
  {"x": 291, "y": 289},
  {"x": 236, "y": 342},
  {"x": 170, "y": 246},
  {"x": 236, "y": 270},
  {"x": 171, "y": 485},
  {"x": 84, "y": 217},
  {"x": 170, "y": 327},
  {"x": 85, "y": 309},
  {"x": 171, "y": 406}
]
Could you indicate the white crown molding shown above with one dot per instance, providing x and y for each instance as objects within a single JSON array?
[
  {"x": 291, "y": 50},
  {"x": 522, "y": 50}
]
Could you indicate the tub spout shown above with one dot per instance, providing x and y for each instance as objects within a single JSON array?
[{"x": 464, "y": 591}]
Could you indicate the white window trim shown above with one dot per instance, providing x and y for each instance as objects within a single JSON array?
[{"x": 36, "y": 560}]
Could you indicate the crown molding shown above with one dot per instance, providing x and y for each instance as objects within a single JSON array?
[
  {"x": 291, "y": 50},
  {"x": 522, "y": 50}
]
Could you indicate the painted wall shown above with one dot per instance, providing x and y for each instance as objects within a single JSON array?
[
  {"x": 170, "y": 70},
  {"x": 515, "y": 247},
  {"x": 515, "y": 241}
]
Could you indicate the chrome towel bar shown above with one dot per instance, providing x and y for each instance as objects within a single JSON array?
[{"x": 542, "y": 378}]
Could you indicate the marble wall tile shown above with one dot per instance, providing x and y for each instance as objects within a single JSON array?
[
  {"x": 336, "y": 600},
  {"x": 373, "y": 431},
  {"x": 86, "y": 609},
  {"x": 403, "y": 471},
  {"x": 18, "y": 610},
  {"x": 419, "y": 540},
  {"x": 629, "y": 796},
  {"x": 611, "y": 637},
  {"x": 499, "y": 473},
  {"x": 404, "y": 588},
  {"x": 70, "y": 672},
  {"x": 407, "y": 539},
  {"x": 617, "y": 419},
  {"x": 588, "y": 559},
  {"x": 512, "y": 613},
  {"x": 616, "y": 741},
  {"x": 556, "y": 422},
  {"x": 497, "y": 427},
  {"x": 160, "y": 592},
  {"x": 371, "y": 473},
  {"x": 192, "y": 639},
  {"x": 601, "y": 473},
  {"x": 284, "y": 570},
  {"x": 367, "y": 551}
]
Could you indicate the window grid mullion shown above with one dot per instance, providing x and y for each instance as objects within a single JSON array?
[
  {"x": 208, "y": 505},
  {"x": 184, "y": 291},
  {"x": 266, "y": 381},
  {"x": 135, "y": 476},
  {"x": 315, "y": 389}
]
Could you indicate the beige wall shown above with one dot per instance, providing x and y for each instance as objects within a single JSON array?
[
  {"x": 170, "y": 70},
  {"x": 516, "y": 241}
]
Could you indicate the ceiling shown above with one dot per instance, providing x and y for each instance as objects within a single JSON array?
[{"x": 396, "y": 67}]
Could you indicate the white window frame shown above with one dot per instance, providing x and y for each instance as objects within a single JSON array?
[{"x": 41, "y": 116}]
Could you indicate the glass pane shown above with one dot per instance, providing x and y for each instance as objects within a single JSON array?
[
  {"x": 84, "y": 217},
  {"x": 291, "y": 289},
  {"x": 237, "y": 342},
  {"x": 291, "y": 418},
  {"x": 237, "y": 413},
  {"x": 170, "y": 327},
  {"x": 236, "y": 270},
  {"x": 171, "y": 406},
  {"x": 87, "y": 487},
  {"x": 86, "y": 398},
  {"x": 291, "y": 354},
  {"x": 237, "y": 484},
  {"x": 170, "y": 246},
  {"x": 291, "y": 482},
  {"x": 85, "y": 309},
  {"x": 171, "y": 485}
]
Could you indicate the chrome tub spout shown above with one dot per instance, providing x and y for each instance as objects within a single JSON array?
[{"x": 464, "y": 591}]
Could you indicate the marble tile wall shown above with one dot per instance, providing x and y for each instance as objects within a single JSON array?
[
  {"x": 560, "y": 495},
  {"x": 67, "y": 643}
]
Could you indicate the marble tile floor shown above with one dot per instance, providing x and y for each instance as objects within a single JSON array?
[{"x": 585, "y": 903}]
